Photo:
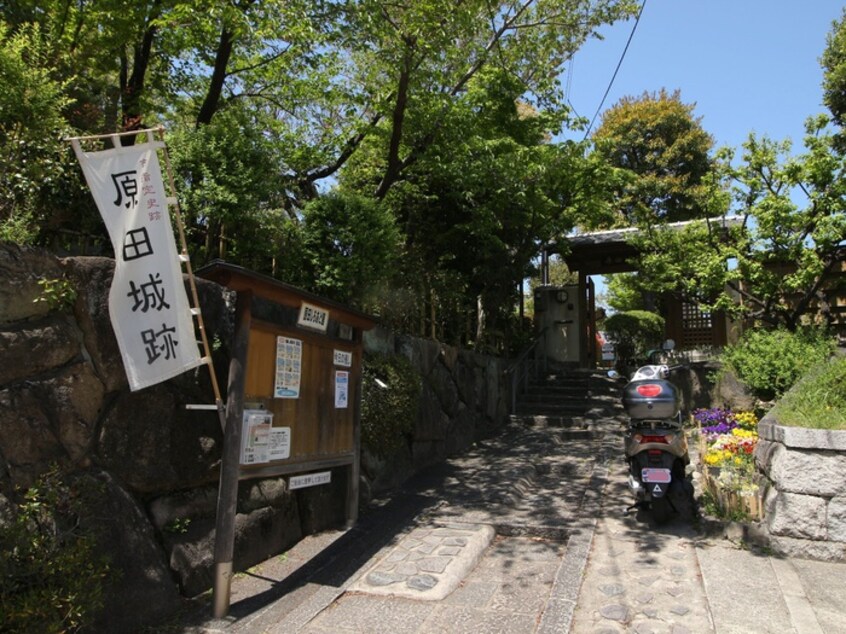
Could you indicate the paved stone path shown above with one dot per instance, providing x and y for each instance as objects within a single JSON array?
[
  {"x": 565, "y": 557},
  {"x": 640, "y": 577},
  {"x": 429, "y": 563},
  {"x": 506, "y": 592}
]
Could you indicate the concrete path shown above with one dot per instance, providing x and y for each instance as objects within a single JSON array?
[{"x": 526, "y": 533}]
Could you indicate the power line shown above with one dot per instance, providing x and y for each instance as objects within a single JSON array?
[{"x": 616, "y": 70}]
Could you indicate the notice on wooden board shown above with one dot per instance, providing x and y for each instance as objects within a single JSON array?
[
  {"x": 342, "y": 358},
  {"x": 289, "y": 367},
  {"x": 262, "y": 442},
  {"x": 309, "y": 480},
  {"x": 280, "y": 443},
  {"x": 255, "y": 436},
  {"x": 342, "y": 389}
]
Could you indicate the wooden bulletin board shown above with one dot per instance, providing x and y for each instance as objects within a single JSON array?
[
  {"x": 321, "y": 414},
  {"x": 320, "y": 429}
]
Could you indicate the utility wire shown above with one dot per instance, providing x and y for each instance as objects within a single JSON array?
[{"x": 616, "y": 70}]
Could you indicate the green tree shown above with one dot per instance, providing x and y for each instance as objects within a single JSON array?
[
  {"x": 476, "y": 210},
  {"x": 349, "y": 244},
  {"x": 833, "y": 63},
  {"x": 776, "y": 262},
  {"x": 624, "y": 292},
  {"x": 34, "y": 164},
  {"x": 665, "y": 151}
]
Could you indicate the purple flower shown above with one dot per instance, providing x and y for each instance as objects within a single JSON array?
[{"x": 715, "y": 421}]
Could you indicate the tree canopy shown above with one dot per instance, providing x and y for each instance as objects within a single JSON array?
[
  {"x": 435, "y": 115},
  {"x": 774, "y": 263},
  {"x": 664, "y": 151}
]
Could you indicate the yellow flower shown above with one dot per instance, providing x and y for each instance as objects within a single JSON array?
[{"x": 746, "y": 420}]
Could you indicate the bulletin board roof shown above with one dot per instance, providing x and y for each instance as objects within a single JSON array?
[{"x": 238, "y": 278}]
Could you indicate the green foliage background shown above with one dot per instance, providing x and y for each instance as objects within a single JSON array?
[
  {"x": 818, "y": 399},
  {"x": 771, "y": 361},
  {"x": 389, "y": 410},
  {"x": 634, "y": 333},
  {"x": 52, "y": 573}
]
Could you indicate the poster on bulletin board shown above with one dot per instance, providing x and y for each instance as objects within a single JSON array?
[
  {"x": 342, "y": 389},
  {"x": 255, "y": 436},
  {"x": 289, "y": 367}
]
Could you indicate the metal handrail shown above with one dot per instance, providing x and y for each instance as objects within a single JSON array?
[{"x": 526, "y": 364}]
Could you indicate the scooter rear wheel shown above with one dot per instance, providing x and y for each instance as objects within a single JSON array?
[{"x": 662, "y": 510}]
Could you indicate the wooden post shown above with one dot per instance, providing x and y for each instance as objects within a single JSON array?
[
  {"x": 355, "y": 467},
  {"x": 224, "y": 538}
]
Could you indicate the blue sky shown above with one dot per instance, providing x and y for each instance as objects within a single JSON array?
[{"x": 748, "y": 65}]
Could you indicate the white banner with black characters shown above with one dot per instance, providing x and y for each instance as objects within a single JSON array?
[{"x": 148, "y": 304}]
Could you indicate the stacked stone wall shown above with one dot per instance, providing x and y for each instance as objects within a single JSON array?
[{"x": 805, "y": 504}]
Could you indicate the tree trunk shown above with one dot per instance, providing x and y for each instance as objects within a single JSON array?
[
  {"x": 211, "y": 103},
  {"x": 132, "y": 85}
]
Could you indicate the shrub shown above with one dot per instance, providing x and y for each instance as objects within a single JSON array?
[
  {"x": 634, "y": 332},
  {"x": 771, "y": 361},
  {"x": 389, "y": 402},
  {"x": 51, "y": 572}
]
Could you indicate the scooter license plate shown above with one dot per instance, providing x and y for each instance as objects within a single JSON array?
[{"x": 651, "y": 474}]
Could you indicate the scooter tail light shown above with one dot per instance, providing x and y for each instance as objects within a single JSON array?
[
  {"x": 663, "y": 438},
  {"x": 650, "y": 390}
]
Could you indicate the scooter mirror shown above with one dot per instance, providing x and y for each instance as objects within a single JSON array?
[
  {"x": 668, "y": 345},
  {"x": 613, "y": 374}
]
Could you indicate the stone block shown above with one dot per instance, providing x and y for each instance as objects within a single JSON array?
[
  {"x": 837, "y": 519},
  {"x": 20, "y": 270},
  {"x": 143, "y": 592},
  {"x": 193, "y": 503},
  {"x": 765, "y": 451},
  {"x": 802, "y": 437},
  {"x": 379, "y": 340},
  {"x": 32, "y": 348},
  {"x": 795, "y": 515},
  {"x": 808, "y": 472},
  {"x": 834, "y": 552}
]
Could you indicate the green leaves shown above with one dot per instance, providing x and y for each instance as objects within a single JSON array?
[{"x": 657, "y": 139}]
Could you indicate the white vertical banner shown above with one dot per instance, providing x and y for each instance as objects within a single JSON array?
[{"x": 148, "y": 304}]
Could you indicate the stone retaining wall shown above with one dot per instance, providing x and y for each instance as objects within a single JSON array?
[{"x": 805, "y": 505}]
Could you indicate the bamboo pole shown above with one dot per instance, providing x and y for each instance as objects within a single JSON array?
[{"x": 192, "y": 283}]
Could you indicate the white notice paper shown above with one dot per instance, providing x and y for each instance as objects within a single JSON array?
[
  {"x": 280, "y": 443},
  {"x": 289, "y": 360},
  {"x": 255, "y": 436}
]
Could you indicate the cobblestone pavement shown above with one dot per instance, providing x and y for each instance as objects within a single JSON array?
[
  {"x": 553, "y": 551},
  {"x": 506, "y": 592},
  {"x": 640, "y": 577}
]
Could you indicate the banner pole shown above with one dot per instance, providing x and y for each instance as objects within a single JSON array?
[
  {"x": 192, "y": 284},
  {"x": 227, "y": 499}
]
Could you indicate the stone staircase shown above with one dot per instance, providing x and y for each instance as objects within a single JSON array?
[{"x": 573, "y": 399}]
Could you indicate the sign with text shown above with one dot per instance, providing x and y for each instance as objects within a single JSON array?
[
  {"x": 313, "y": 317},
  {"x": 148, "y": 304},
  {"x": 255, "y": 436},
  {"x": 342, "y": 389},
  {"x": 342, "y": 358},
  {"x": 309, "y": 480}
]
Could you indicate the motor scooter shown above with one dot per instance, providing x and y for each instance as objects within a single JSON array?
[{"x": 655, "y": 444}]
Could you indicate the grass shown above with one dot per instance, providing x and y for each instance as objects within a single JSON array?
[{"x": 818, "y": 401}]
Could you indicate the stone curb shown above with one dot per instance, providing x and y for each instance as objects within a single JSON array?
[{"x": 802, "y": 437}]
